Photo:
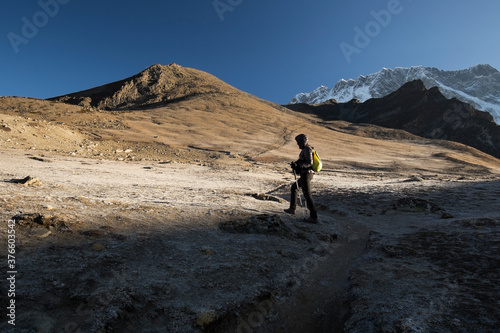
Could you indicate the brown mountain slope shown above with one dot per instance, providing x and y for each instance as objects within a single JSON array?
[
  {"x": 183, "y": 114},
  {"x": 155, "y": 86}
]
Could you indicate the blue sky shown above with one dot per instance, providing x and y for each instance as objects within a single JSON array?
[{"x": 272, "y": 49}]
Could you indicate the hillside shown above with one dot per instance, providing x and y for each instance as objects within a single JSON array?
[
  {"x": 168, "y": 109},
  {"x": 155, "y": 86}
]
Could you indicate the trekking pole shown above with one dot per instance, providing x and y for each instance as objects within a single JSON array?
[{"x": 298, "y": 189}]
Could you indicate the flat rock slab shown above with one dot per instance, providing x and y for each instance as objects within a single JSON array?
[{"x": 259, "y": 224}]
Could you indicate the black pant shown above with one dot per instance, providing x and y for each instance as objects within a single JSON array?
[{"x": 305, "y": 184}]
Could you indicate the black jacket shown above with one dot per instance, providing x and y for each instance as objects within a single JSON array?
[{"x": 305, "y": 161}]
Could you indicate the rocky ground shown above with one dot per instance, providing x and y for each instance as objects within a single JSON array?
[{"x": 161, "y": 245}]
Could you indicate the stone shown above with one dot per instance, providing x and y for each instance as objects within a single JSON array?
[
  {"x": 205, "y": 317},
  {"x": 39, "y": 220},
  {"x": 446, "y": 215},
  {"x": 208, "y": 251},
  {"x": 266, "y": 197},
  {"x": 98, "y": 247},
  {"x": 28, "y": 181},
  {"x": 410, "y": 204}
]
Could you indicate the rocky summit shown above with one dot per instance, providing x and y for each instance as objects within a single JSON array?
[{"x": 155, "y": 86}]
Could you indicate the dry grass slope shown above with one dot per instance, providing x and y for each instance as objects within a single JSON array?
[{"x": 171, "y": 107}]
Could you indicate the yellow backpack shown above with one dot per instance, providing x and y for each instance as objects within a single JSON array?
[{"x": 317, "y": 165}]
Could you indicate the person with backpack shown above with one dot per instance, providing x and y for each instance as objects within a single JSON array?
[{"x": 304, "y": 167}]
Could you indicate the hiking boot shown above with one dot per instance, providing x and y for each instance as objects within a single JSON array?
[
  {"x": 313, "y": 220},
  {"x": 290, "y": 211}
]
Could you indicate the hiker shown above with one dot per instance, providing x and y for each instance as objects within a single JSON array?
[{"x": 303, "y": 167}]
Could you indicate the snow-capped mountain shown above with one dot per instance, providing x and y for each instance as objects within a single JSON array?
[{"x": 478, "y": 86}]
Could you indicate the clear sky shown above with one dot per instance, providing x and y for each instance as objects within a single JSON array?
[{"x": 273, "y": 49}]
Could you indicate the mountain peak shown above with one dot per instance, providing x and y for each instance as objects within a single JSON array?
[
  {"x": 160, "y": 67},
  {"x": 156, "y": 84},
  {"x": 415, "y": 85},
  {"x": 478, "y": 85},
  {"x": 483, "y": 69}
]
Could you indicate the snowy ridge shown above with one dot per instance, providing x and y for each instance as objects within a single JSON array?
[{"x": 478, "y": 85}]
